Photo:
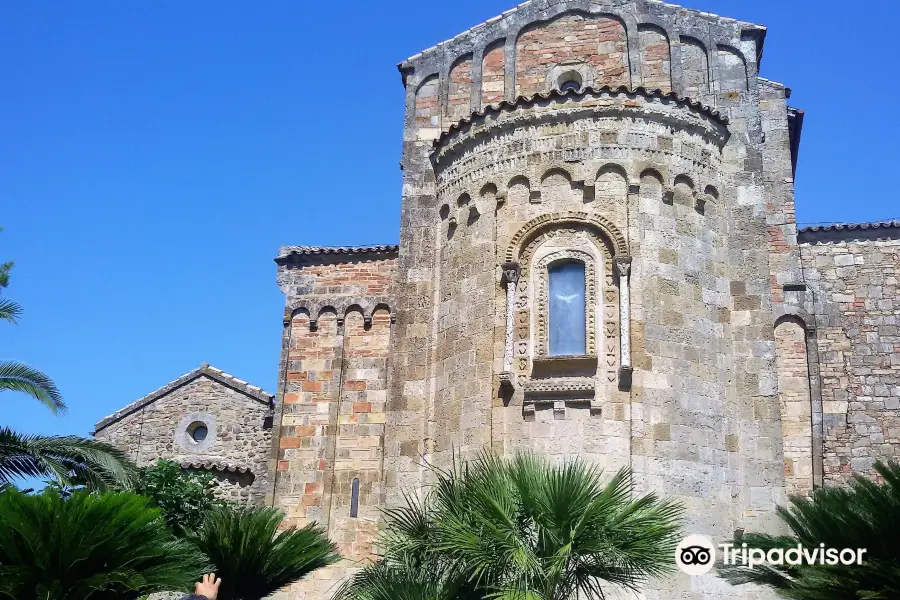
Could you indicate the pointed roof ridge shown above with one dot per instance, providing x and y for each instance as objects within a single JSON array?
[{"x": 205, "y": 369}]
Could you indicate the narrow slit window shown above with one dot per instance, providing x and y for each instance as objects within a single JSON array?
[
  {"x": 567, "y": 309},
  {"x": 354, "y": 498}
]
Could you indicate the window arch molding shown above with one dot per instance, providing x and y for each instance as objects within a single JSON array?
[
  {"x": 572, "y": 230},
  {"x": 603, "y": 229}
]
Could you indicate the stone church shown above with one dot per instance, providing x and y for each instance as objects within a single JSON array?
[{"x": 598, "y": 257}]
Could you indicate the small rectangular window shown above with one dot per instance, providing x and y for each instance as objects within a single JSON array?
[
  {"x": 568, "y": 326},
  {"x": 354, "y": 498}
]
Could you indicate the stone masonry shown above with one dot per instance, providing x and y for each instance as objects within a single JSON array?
[
  {"x": 237, "y": 417},
  {"x": 729, "y": 360},
  {"x": 853, "y": 273}
]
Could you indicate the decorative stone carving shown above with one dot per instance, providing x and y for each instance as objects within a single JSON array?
[
  {"x": 511, "y": 273},
  {"x": 623, "y": 267},
  {"x": 602, "y": 227},
  {"x": 561, "y": 385}
]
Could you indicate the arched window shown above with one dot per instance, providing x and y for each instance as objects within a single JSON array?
[{"x": 567, "y": 308}]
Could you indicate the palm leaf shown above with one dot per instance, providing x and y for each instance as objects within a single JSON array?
[
  {"x": 253, "y": 558},
  {"x": 97, "y": 547},
  {"x": 864, "y": 515},
  {"x": 70, "y": 460},
  {"x": 18, "y": 377},
  {"x": 10, "y": 311},
  {"x": 521, "y": 529}
]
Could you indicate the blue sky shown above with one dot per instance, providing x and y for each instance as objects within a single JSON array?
[{"x": 155, "y": 155}]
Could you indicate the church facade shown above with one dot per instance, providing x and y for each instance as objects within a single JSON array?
[{"x": 598, "y": 257}]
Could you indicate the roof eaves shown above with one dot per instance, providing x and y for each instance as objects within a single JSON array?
[
  {"x": 287, "y": 252},
  {"x": 814, "y": 233},
  {"x": 556, "y": 94}
]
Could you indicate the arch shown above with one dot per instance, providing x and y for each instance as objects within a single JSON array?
[
  {"x": 459, "y": 88},
  {"x": 493, "y": 73},
  {"x": 444, "y": 211},
  {"x": 656, "y": 57},
  {"x": 381, "y": 307},
  {"x": 487, "y": 189},
  {"x": 518, "y": 180},
  {"x": 327, "y": 309},
  {"x": 598, "y": 223},
  {"x": 299, "y": 311},
  {"x": 557, "y": 170},
  {"x": 464, "y": 199},
  {"x": 652, "y": 173},
  {"x": 354, "y": 308},
  {"x": 795, "y": 396},
  {"x": 518, "y": 190},
  {"x": 611, "y": 184},
  {"x": 556, "y": 186},
  {"x": 711, "y": 191},
  {"x": 787, "y": 313},
  {"x": 652, "y": 185},
  {"x": 684, "y": 179},
  {"x": 428, "y": 103},
  {"x": 694, "y": 67},
  {"x": 731, "y": 75}
]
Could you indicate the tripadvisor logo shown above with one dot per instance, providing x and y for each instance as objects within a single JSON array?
[{"x": 696, "y": 555}]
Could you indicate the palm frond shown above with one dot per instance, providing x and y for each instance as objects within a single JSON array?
[
  {"x": 10, "y": 311},
  {"x": 255, "y": 559},
  {"x": 90, "y": 546},
  {"x": 70, "y": 460},
  {"x": 19, "y": 377},
  {"x": 522, "y": 529},
  {"x": 864, "y": 515}
]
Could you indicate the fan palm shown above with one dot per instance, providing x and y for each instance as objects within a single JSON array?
[
  {"x": 864, "y": 515},
  {"x": 253, "y": 558},
  {"x": 523, "y": 529},
  {"x": 98, "y": 547},
  {"x": 69, "y": 460}
]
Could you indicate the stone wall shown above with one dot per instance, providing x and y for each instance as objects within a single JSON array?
[
  {"x": 853, "y": 276},
  {"x": 239, "y": 434},
  {"x": 615, "y": 179},
  {"x": 332, "y": 399}
]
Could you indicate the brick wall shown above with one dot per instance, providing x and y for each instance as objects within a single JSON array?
[
  {"x": 460, "y": 92},
  {"x": 493, "y": 72},
  {"x": 571, "y": 40},
  {"x": 656, "y": 63},
  {"x": 331, "y": 408}
]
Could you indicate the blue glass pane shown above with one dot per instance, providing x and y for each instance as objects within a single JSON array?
[{"x": 567, "y": 310}]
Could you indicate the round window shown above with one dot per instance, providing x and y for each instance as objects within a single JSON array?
[
  {"x": 570, "y": 82},
  {"x": 198, "y": 431}
]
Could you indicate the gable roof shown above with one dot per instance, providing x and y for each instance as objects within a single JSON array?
[{"x": 205, "y": 369}]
